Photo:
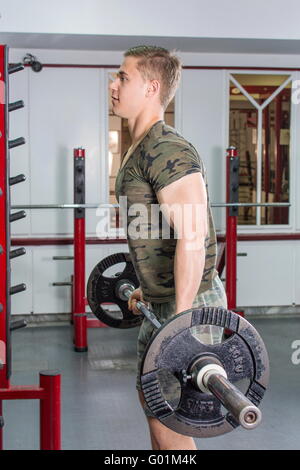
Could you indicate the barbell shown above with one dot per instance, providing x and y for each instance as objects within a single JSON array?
[{"x": 191, "y": 386}]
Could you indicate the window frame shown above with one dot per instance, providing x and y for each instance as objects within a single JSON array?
[{"x": 258, "y": 228}]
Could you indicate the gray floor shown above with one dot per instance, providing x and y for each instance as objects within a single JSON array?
[{"x": 100, "y": 408}]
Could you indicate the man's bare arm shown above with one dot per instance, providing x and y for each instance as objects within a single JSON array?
[{"x": 184, "y": 204}]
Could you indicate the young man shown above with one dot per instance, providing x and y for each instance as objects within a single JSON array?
[{"x": 161, "y": 168}]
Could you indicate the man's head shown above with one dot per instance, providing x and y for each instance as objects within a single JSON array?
[{"x": 147, "y": 73}]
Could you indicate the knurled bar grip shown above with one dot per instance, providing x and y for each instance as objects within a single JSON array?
[
  {"x": 148, "y": 314},
  {"x": 142, "y": 307}
]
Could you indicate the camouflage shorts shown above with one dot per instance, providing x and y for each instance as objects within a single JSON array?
[{"x": 214, "y": 297}]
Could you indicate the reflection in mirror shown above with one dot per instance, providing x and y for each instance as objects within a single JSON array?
[
  {"x": 259, "y": 108},
  {"x": 275, "y": 158},
  {"x": 243, "y": 135}
]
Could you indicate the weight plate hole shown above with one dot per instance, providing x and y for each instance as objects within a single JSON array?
[
  {"x": 208, "y": 334},
  {"x": 114, "y": 269},
  {"x": 170, "y": 387}
]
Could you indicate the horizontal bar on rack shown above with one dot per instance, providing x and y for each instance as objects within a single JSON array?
[{"x": 96, "y": 206}]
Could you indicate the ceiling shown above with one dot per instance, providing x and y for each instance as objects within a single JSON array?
[{"x": 120, "y": 43}]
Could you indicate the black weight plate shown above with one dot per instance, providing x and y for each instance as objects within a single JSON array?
[
  {"x": 102, "y": 289},
  {"x": 175, "y": 347}
]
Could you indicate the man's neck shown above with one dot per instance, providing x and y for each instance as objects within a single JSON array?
[{"x": 139, "y": 126}]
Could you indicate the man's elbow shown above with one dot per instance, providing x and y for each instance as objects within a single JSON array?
[{"x": 195, "y": 244}]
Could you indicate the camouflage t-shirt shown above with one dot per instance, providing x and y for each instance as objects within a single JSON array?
[{"x": 162, "y": 157}]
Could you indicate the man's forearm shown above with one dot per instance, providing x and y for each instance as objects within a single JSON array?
[{"x": 188, "y": 271}]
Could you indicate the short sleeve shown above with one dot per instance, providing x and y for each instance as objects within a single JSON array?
[{"x": 169, "y": 162}]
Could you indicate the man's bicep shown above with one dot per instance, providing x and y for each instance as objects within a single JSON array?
[
  {"x": 190, "y": 188},
  {"x": 184, "y": 204}
]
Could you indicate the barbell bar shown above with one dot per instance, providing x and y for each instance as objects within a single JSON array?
[
  {"x": 124, "y": 291},
  {"x": 208, "y": 374},
  {"x": 96, "y": 206}
]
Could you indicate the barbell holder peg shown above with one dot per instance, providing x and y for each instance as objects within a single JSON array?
[
  {"x": 15, "y": 68},
  {"x": 16, "y": 142},
  {"x": 16, "y": 105},
  {"x": 17, "y": 216},
  {"x": 17, "y": 324},
  {"x": 16, "y": 289},
  {"x": 62, "y": 258},
  {"x": 17, "y": 252},
  {"x": 17, "y": 179},
  {"x": 61, "y": 284}
]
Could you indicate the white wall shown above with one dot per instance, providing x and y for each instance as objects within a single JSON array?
[
  {"x": 192, "y": 18},
  {"x": 267, "y": 276},
  {"x": 64, "y": 109},
  {"x": 203, "y": 95}
]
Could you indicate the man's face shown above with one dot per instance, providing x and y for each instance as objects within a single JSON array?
[{"x": 128, "y": 90}]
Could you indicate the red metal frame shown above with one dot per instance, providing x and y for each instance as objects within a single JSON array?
[
  {"x": 231, "y": 239},
  {"x": 4, "y": 298},
  {"x": 266, "y": 158},
  {"x": 79, "y": 316},
  {"x": 48, "y": 392},
  {"x": 50, "y": 411},
  {"x": 4, "y": 381},
  {"x": 66, "y": 241},
  {"x": 278, "y": 158}
]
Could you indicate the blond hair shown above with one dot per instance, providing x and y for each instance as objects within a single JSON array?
[{"x": 157, "y": 63}]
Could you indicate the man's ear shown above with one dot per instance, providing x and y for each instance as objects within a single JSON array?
[{"x": 153, "y": 88}]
